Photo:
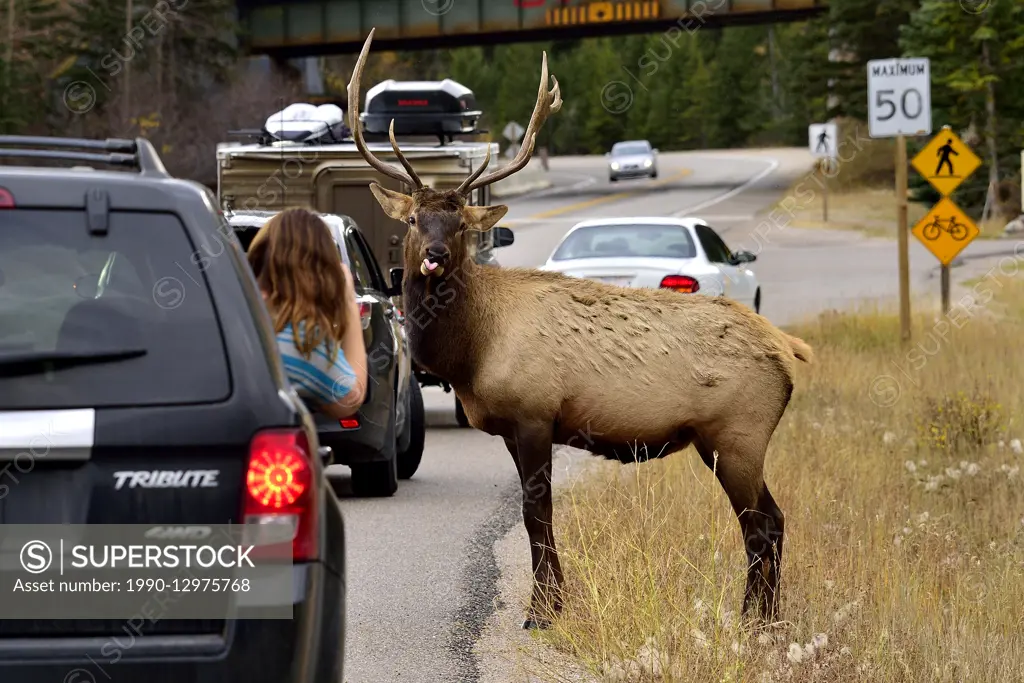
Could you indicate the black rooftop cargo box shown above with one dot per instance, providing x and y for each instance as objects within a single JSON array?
[{"x": 443, "y": 108}]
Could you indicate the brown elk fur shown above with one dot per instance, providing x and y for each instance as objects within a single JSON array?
[{"x": 540, "y": 358}]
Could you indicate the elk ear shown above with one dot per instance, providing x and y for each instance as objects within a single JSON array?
[
  {"x": 395, "y": 204},
  {"x": 482, "y": 218}
]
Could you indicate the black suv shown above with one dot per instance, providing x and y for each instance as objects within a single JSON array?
[
  {"x": 132, "y": 330},
  {"x": 384, "y": 441}
]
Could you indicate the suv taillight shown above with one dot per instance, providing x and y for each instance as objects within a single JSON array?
[
  {"x": 365, "y": 312},
  {"x": 6, "y": 199},
  {"x": 279, "y": 488},
  {"x": 680, "y": 283}
]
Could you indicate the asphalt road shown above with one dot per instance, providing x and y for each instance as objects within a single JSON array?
[{"x": 422, "y": 570}]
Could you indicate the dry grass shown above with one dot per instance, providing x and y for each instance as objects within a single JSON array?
[
  {"x": 904, "y": 555},
  {"x": 869, "y": 210},
  {"x": 872, "y": 211}
]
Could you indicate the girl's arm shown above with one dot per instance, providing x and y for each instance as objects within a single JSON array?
[{"x": 350, "y": 369}]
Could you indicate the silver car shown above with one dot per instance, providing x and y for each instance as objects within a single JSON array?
[{"x": 632, "y": 159}]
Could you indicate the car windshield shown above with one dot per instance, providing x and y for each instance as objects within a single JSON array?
[
  {"x": 637, "y": 241},
  {"x": 629, "y": 148},
  {"x": 123, "y": 318}
]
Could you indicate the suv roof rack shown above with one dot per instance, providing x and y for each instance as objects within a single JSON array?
[{"x": 138, "y": 153}]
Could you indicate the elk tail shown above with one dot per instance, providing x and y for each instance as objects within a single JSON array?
[{"x": 801, "y": 349}]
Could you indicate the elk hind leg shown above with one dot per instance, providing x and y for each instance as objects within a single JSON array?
[{"x": 739, "y": 468}]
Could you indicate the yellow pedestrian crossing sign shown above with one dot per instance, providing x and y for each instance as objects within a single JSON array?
[
  {"x": 945, "y": 231},
  {"x": 946, "y": 161}
]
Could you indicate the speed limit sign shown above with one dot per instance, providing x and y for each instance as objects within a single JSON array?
[{"x": 899, "y": 97}]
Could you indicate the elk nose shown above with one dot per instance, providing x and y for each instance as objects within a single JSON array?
[{"x": 437, "y": 253}]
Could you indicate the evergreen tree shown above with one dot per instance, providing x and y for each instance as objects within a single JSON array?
[
  {"x": 805, "y": 78},
  {"x": 973, "y": 58},
  {"x": 700, "y": 109},
  {"x": 728, "y": 87},
  {"x": 34, "y": 36},
  {"x": 738, "y": 75},
  {"x": 860, "y": 31}
]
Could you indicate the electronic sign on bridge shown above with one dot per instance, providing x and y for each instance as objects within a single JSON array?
[{"x": 565, "y": 14}]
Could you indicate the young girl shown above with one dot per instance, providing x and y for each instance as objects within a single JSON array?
[{"x": 311, "y": 298}]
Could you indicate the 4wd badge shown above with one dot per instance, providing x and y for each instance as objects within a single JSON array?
[{"x": 191, "y": 533}]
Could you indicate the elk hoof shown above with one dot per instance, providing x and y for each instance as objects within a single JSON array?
[{"x": 532, "y": 623}]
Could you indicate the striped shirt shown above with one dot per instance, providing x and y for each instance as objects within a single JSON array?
[{"x": 316, "y": 378}]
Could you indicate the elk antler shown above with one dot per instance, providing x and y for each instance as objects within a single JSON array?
[
  {"x": 357, "y": 132},
  {"x": 464, "y": 188},
  {"x": 547, "y": 103}
]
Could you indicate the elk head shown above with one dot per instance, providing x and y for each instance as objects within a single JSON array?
[{"x": 440, "y": 220}]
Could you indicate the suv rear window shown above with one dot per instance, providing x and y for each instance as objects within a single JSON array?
[
  {"x": 629, "y": 240},
  {"x": 246, "y": 233},
  {"x": 65, "y": 292}
]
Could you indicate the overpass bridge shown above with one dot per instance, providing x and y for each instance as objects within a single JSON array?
[{"x": 305, "y": 28}]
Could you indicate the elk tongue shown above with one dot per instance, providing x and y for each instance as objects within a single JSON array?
[{"x": 429, "y": 267}]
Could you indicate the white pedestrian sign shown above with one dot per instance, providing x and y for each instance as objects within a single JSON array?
[
  {"x": 513, "y": 131},
  {"x": 899, "y": 97},
  {"x": 823, "y": 140}
]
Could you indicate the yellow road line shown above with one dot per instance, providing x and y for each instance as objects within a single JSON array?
[{"x": 609, "y": 198}]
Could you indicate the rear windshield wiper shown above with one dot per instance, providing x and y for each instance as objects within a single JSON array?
[{"x": 37, "y": 361}]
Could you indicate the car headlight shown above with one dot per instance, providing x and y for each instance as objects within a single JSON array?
[
  {"x": 648, "y": 163},
  {"x": 615, "y": 166}
]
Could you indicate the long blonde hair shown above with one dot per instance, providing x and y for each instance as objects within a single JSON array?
[{"x": 297, "y": 265}]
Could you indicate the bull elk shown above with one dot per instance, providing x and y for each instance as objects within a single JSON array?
[{"x": 538, "y": 358}]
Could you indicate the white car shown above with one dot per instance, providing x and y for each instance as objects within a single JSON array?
[{"x": 683, "y": 254}]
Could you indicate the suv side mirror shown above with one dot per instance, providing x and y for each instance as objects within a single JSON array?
[
  {"x": 742, "y": 257},
  {"x": 396, "y": 281},
  {"x": 503, "y": 237},
  {"x": 654, "y": 151}
]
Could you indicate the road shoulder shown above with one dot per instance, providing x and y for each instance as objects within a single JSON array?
[{"x": 505, "y": 652}]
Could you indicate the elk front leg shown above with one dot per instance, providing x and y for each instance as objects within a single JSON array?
[{"x": 531, "y": 449}]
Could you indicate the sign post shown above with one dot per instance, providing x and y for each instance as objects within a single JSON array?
[
  {"x": 900, "y": 104},
  {"x": 944, "y": 285},
  {"x": 946, "y": 162},
  {"x": 823, "y": 141},
  {"x": 512, "y": 132},
  {"x": 903, "y": 246}
]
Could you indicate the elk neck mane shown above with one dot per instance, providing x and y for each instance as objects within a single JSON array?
[{"x": 443, "y": 317}]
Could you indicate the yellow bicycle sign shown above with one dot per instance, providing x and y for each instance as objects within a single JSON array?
[
  {"x": 937, "y": 226},
  {"x": 945, "y": 231}
]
